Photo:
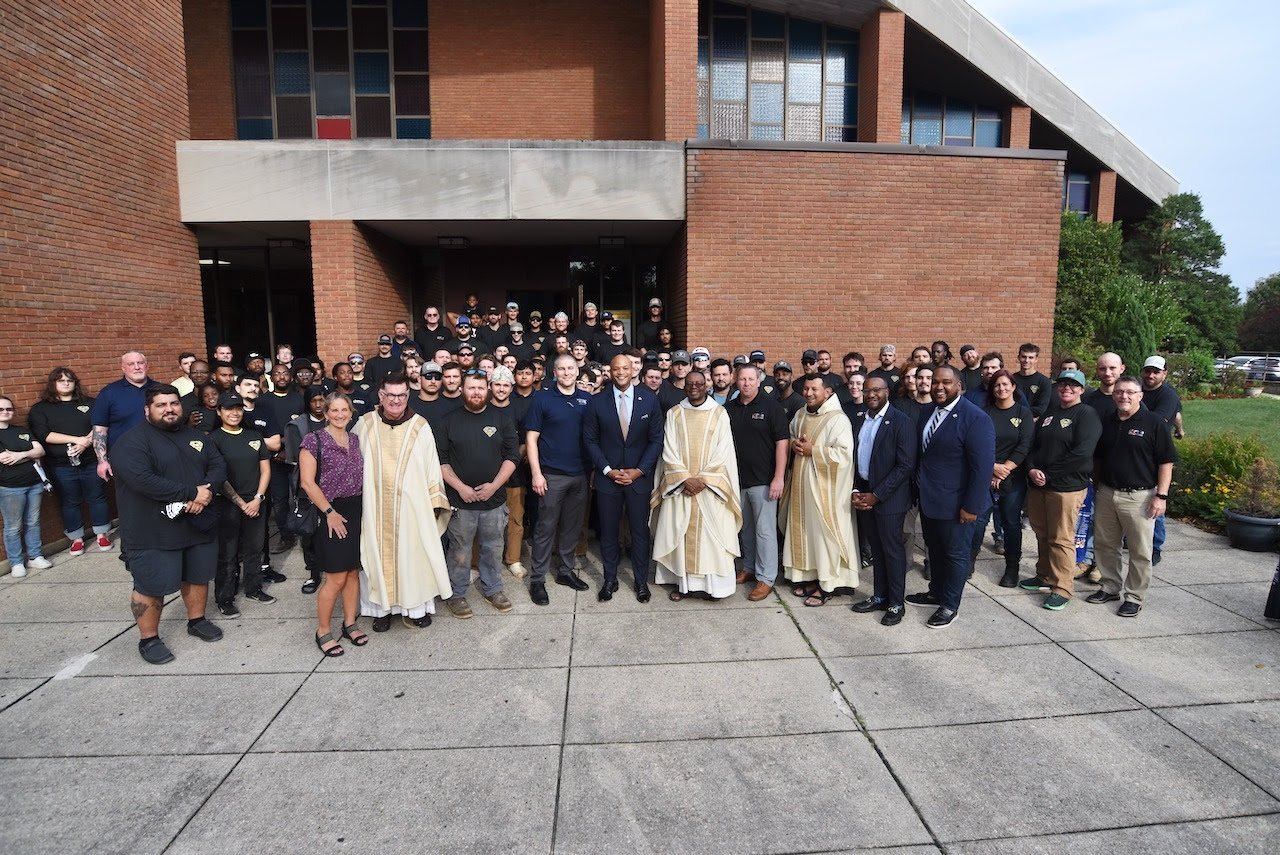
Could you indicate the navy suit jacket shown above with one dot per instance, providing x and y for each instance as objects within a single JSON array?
[
  {"x": 893, "y": 459},
  {"x": 602, "y": 434},
  {"x": 955, "y": 471}
]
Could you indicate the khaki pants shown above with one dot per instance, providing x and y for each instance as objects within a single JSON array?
[
  {"x": 1053, "y": 518},
  {"x": 515, "y": 524},
  {"x": 1119, "y": 517}
]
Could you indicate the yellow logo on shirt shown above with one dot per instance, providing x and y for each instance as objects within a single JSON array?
[
  {"x": 84, "y": 408},
  {"x": 1015, "y": 422},
  {"x": 196, "y": 444},
  {"x": 255, "y": 444},
  {"x": 24, "y": 436},
  {"x": 490, "y": 430},
  {"x": 1064, "y": 423}
]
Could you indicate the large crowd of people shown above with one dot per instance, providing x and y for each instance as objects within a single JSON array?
[{"x": 400, "y": 475}]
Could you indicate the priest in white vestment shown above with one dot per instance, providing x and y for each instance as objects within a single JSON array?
[
  {"x": 695, "y": 494},
  {"x": 405, "y": 513},
  {"x": 820, "y": 553}
]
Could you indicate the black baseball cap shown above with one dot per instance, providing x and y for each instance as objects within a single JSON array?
[
  {"x": 809, "y": 356},
  {"x": 227, "y": 400}
]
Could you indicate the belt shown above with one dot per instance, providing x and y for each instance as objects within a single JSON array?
[{"x": 1133, "y": 489}]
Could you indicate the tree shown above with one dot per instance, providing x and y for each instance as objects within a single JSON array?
[
  {"x": 1088, "y": 258},
  {"x": 1260, "y": 329},
  {"x": 1177, "y": 247},
  {"x": 1125, "y": 326}
]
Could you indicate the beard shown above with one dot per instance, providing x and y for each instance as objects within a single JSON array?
[{"x": 164, "y": 423}]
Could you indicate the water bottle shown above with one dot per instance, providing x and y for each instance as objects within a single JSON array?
[{"x": 73, "y": 453}]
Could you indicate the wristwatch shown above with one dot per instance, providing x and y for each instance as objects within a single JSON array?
[
  {"x": 260, "y": 497},
  {"x": 328, "y": 510},
  {"x": 1162, "y": 496}
]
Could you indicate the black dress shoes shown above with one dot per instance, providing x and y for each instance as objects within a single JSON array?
[
  {"x": 537, "y": 593},
  {"x": 892, "y": 616},
  {"x": 870, "y": 604},
  {"x": 605, "y": 594},
  {"x": 571, "y": 580},
  {"x": 642, "y": 594}
]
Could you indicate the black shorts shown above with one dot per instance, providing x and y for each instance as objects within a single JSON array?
[{"x": 160, "y": 572}]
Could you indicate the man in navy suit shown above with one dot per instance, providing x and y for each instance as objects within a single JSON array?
[
  {"x": 956, "y": 458},
  {"x": 622, "y": 432},
  {"x": 885, "y": 456}
]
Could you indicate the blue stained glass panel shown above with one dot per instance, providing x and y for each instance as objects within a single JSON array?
[
  {"x": 842, "y": 63},
  {"x": 729, "y": 81},
  {"x": 704, "y": 95},
  {"x": 333, "y": 95},
  {"x": 841, "y": 106},
  {"x": 373, "y": 76},
  {"x": 704, "y": 59},
  {"x": 767, "y": 61},
  {"x": 413, "y": 129},
  {"x": 766, "y": 103},
  {"x": 409, "y": 13},
  {"x": 729, "y": 39},
  {"x": 928, "y": 105},
  {"x": 329, "y": 13},
  {"x": 703, "y": 131},
  {"x": 840, "y": 34},
  {"x": 959, "y": 121},
  {"x": 842, "y": 134},
  {"x": 804, "y": 83},
  {"x": 990, "y": 113},
  {"x": 989, "y": 135},
  {"x": 766, "y": 132},
  {"x": 254, "y": 129},
  {"x": 1078, "y": 198},
  {"x": 293, "y": 73},
  {"x": 805, "y": 41},
  {"x": 926, "y": 131},
  {"x": 767, "y": 25},
  {"x": 249, "y": 13}
]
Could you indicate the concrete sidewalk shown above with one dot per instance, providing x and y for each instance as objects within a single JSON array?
[{"x": 668, "y": 727}]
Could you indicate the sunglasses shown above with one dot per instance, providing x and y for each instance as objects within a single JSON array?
[{"x": 476, "y": 372}]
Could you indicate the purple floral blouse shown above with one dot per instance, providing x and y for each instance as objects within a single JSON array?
[{"x": 341, "y": 469}]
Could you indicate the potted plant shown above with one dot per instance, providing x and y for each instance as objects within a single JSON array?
[{"x": 1253, "y": 508}]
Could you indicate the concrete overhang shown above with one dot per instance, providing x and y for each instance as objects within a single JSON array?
[
  {"x": 997, "y": 54},
  {"x": 406, "y": 180}
]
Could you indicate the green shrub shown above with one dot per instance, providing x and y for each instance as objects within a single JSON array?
[
  {"x": 1209, "y": 471},
  {"x": 1188, "y": 370},
  {"x": 1231, "y": 384}
]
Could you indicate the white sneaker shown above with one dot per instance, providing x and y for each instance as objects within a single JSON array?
[
  {"x": 18, "y": 570},
  {"x": 518, "y": 570},
  {"x": 40, "y": 562}
]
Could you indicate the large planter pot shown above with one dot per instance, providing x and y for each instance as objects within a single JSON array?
[
  {"x": 1253, "y": 392},
  {"x": 1255, "y": 534}
]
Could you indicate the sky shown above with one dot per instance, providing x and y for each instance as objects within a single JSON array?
[{"x": 1193, "y": 83}]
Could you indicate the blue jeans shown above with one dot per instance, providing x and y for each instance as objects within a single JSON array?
[
  {"x": 21, "y": 505},
  {"x": 1157, "y": 541},
  {"x": 948, "y": 542},
  {"x": 464, "y": 527},
  {"x": 76, "y": 485},
  {"x": 1007, "y": 512}
]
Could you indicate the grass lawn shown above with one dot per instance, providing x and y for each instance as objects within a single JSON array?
[{"x": 1243, "y": 415}]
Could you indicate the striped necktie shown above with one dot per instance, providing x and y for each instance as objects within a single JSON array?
[{"x": 934, "y": 423}]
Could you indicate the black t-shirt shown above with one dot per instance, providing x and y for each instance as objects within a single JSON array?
[
  {"x": 607, "y": 349},
  {"x": 380, "y": 366},
  {"x": 435, "y": 411},
  {"x": 910, "y": 406},
  {"x": 521, "y": 351},
  {"x": 971, "y": 378},
  {"x": 263, "y": 421},
  {"x": 363, "y": 395},
  {"x": 1063, "y": 447},
  {"x": 491, "y": 338},
  {"x": 1038, "y": 390},
  {"x": 647, "y": 334},
  {"x": 516, "y": 411},
  {"x": 1130, "y": 451},
  {"x": 890, "y": 376},
  {"x": 1015, "y": 430},
  {"x": 853, "y": 410},
  {"x": 283, "y": 407},
  {"x": 756, "y": 428},
  {"x": 668, "y": 395},
  {"x": 476, "y": 445},
  {"x": 1102, "y": 403},
  {"x": 18, "y": 438},
  {"x": 454, "y": 344},
  {"x": 429, "y": 341},
  {"x": 242, "y": 451},
  {"x": 792, "y": 403},
  {"x": 1163, "y": 401},
  {"x": 67, "y": 417}
]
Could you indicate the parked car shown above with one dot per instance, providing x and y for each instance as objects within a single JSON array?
[
  {"x": 1220, "y": 367},
  {"x": 1266, "y": 369}
]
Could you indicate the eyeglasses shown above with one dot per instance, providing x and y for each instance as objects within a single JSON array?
[
  {"x": 402, "y": 396},
  {"x": 356, "y": 362},
  {"x": 476, "y": 372},
  {"x": 433, "y": 375},
  {"x": 6, "y": 409},
  {"x": 1126, "y": 393}
]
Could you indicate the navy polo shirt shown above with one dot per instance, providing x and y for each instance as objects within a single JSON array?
[
  {"x": 558, "y": 420},
  {"x": 120, "y": 406}
]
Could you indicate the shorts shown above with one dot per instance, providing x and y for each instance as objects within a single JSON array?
[{"x": 160, "y": 572}]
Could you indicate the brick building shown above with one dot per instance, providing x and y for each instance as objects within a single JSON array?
[{"x": 785, "y": 173}]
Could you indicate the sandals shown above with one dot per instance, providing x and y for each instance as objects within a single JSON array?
[
  {"x": 382, "y": 624},
  {"x": 327, "y": 638},
  {"x": 805, "y": 589},
  {"x": 309, "y": 586},
  {"x": 675, "y": 596},
  {"x": 818, "y": 598},
  {"x": 354, "y": 635}
]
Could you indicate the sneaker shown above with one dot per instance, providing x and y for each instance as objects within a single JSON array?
[
  {"x": 459, "y": 607},
  {"x": 40, "y": 562},
  {"x": 1033, "y": 584},
  {"x": 18, "y": 570},
  {"x": 500, "y": 602},
  {"x": 154, "y": 650},
  {"x": 941, "y": 619},
  {"x": 261, "y": 597},
  {"x": 1055, "y": 602},
  {"x": 1101, "y": 597},
  {"x": 104, "y": 543},
  {"x": 204, "y": 629},
  {"x": 228, "y": 610},
  {"x": 269, "y": 575},
  {"x": 1082, "y": 569},
  {"x": 77, "y": 547},
  {"x": 925, "y": 599},
  {"x": 518, "y": 570},
  {"x": 1129, "y": 609},
  {"x": 1155, "y": 557},
  {"x": 998, "y": 547},
  {"x": 1095, "y": 575}
]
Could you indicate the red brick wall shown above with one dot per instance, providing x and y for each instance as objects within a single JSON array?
[
  {"x": 880, "y": 58},
  {"x": 1104, "y": 197},
  {"x": 93, "y": 258},
  {"x": 1017, "y": 128},
  {"x": 210, "y": 93},
  {"x": 848, "y": 251},
  {"x": 673, "y": 69},
  {"x": 362, "y": 285},
  {"x": 555, "y": 69}
]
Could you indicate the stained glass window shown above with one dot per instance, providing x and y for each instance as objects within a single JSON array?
[{"x": 930, "y": 119}]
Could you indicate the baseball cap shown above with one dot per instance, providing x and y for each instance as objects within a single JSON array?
[
  {"x": 740, "y": 359},
  {"x": 585, "y": 307},
  {"x": 680, "y": 356},
  {"x": 432, "y": 368},
  {"x": 227, "y": 400},
  {"x": 561, "y": 316},
  {"x": 654, "y": 301},
  {"x": 965, "y": 348},
  {"x": 701, "y": 353},
  {"x": 492, "y": 310},
  {"x": 300, "y": 362},
  {"x": 384, "y": 339},
  {"x": 464, "y": 321},
  {"x": 651, "y": 357},
  {"x": 888, "y": 348},
  {"x": 355, "y": 357},
  {"x": 757, "y": 356},
  {"x": 809, "y": 356},
  {"x": 1156, "y": 362},
  {"x": 781, "y": 365},
  {"x": 606, "y": 316},
  {"x": 513, "y": 305},
  {"x": 1077, "y": 377},
  {"x": 501, "y": 374},
  {"x": 517, "y": 327},
  {"x": 535, "y": 315},
  {"x": 466, "y": 345},
  {"x": 253, "y": 355}
]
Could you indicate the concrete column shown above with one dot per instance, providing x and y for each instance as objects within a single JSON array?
[
  {"x": 361, "y": 282},
  {"x": 1103, "y": 207},
  {"x": 1017, "y": 127},
  {"x": 880, "y": 78}
]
